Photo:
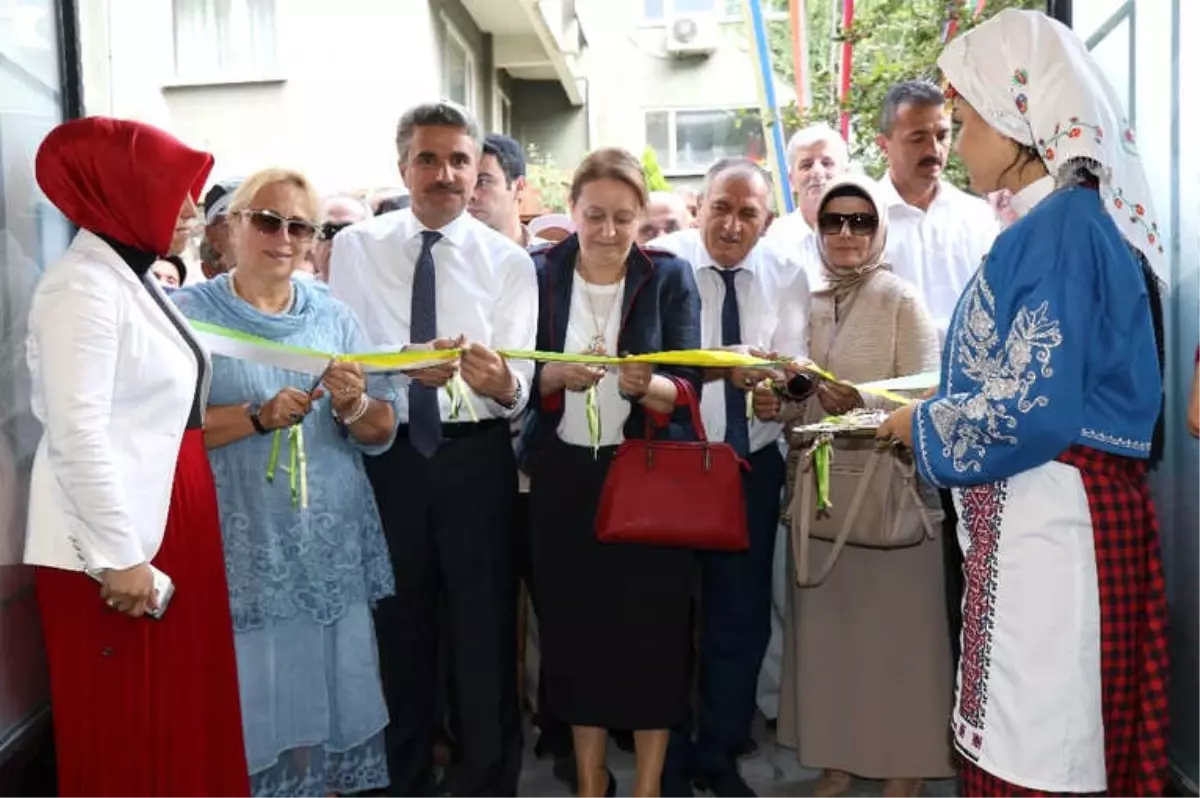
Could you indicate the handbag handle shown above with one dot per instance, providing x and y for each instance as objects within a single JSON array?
[
  {"x": 802, "y": 538},
  {"x": 685, "y": 394}
]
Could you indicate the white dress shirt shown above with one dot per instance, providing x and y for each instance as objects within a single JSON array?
[
  {"x": 940, "y": 249},
  {"x": 485, "y": 284},
  {"x": 114, "y": 382},
  {"x": 773, "y": 307},
  {"x": 595, "y": 311}
]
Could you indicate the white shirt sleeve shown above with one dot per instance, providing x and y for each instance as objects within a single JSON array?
[
  {"x": 791, "y": 335},
  {"x": 515, "y": 325},
  {"x": 73, "y": 349}
]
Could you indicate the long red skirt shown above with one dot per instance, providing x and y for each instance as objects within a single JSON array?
[
  {"x": 150, "y": 707},
  {"x": 1133, "y": 630}
]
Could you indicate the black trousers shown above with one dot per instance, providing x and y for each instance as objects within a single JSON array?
[
  {"x": 953, "y": 559},
  {"x": 556, "y": 738},
  {"x": 735, "y": 629},
  {"x": 448, "y": 523}
]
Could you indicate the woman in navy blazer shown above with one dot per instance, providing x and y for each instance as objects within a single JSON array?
[{"x": 614, "y": 619}]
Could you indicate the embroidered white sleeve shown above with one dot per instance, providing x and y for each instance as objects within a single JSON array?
[{"x": 1002, "y": 378}]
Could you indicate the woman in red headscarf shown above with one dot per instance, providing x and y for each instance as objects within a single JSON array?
[{"x": 121, "y": 488}]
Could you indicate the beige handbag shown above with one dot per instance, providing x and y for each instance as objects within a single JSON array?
[{"x": 875, "y": 502}]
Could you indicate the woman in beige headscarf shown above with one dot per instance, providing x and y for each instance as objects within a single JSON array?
[{"x": 867, "y": 669}]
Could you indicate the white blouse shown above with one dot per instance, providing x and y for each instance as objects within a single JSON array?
[{"x": 595, "y": 314}]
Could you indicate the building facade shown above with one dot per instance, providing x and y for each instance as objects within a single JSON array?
[{"x": 319, "y": 86}]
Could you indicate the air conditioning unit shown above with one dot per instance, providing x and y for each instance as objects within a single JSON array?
[{"x": 692, "y": 35}]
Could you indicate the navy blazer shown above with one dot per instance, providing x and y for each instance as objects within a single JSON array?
[{"x": 660, "y": 311}]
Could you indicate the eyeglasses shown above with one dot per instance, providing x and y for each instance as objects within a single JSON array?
[
  {"x": 270, "y": 223},
  {"x": 860, "y": 224},
  {"x": 330, "y": 229}
]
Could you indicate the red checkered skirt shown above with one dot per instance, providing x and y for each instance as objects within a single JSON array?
[{"x": 1133, "y": 630}]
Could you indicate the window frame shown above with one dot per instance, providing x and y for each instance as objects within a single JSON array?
[
  {"x": 670, "y": 164},
  {"x": 451, "y": 34},
  {"x": 268, "y": 73},
  {"x": 500, "y": 102},
  {"x": 721, "y": 11}
]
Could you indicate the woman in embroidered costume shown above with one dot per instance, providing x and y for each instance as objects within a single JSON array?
[{"x": 1044, "y": 423}]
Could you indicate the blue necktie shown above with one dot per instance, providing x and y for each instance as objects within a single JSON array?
[
  {"x": 424, "y": 415},
  {"x": 737, "y": 431}
]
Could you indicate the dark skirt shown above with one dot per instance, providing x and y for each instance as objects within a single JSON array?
[
  {"x": 144, "y": 706},
  {"x": 613, "y": 618}
]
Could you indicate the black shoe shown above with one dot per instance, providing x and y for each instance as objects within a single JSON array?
[
  {"x": 623, "y": 739},
  {"x": 675, "y": 785},
  {"x": 564, "y": 771},
  {"x": 727, "y": 784}
]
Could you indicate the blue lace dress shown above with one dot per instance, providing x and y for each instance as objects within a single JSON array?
[{"x": 301, "y": 580}]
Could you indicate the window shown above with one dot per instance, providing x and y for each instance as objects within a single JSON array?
[
  {"x": 32, "y": 233},
  {"x": 224, "y": 39},
  {"x": 658, "y": 11},
  {"x": 688, "y": 142},
  {"x": 502, "y": 113},
  {"x": 661, "y": 10},
  {"x": 458, "y": 67}
]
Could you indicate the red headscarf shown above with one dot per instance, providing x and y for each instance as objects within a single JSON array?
[{"x": 121, "y": 179}]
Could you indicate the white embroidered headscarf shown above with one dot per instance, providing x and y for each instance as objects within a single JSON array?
[{"x": 1033, "y": 80}]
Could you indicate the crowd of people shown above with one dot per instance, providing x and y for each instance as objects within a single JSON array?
[{"x": 350, "y": 552}]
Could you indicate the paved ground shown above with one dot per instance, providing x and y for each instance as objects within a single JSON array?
[{"x": 773, "y": 771}]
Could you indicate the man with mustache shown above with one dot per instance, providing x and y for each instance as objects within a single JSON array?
[
  {"x": 752, "y": 297},
  {"x": 816, "y": 155},
  {"x": 937, "y": 237},
  {"x": 435, "y": 277},
  {"x": 937, "y": 234}
]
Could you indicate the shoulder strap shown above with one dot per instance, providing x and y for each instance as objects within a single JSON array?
[{"x": 803, "y": 534}]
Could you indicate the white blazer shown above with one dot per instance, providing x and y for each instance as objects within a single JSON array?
[{"x": 113, "y": 385}]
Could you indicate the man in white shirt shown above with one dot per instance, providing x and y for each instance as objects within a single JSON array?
[
  {"x": 937, "y": 234},
  {"x": 664, "y": 213},
  {"x": 752, "y": 296},
  {"x": 497, "y": 203},
  {"x": 433, "y": 276},
  {"x": 937, "y": 237},
  {"x": 816, "y": 155}
]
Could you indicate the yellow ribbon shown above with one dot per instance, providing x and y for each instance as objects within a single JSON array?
[{"x": 409, "y": 359}]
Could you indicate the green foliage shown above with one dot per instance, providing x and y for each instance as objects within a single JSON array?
[
  {"x": 655, "y": 179},
  {"x": 894, "y": 40},
  {"x": 551, "y": 183}
]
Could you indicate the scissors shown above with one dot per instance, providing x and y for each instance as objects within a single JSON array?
[{"x": 317, "y": 382}]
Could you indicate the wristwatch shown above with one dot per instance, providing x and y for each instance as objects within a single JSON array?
[
  {"x": 253, "y": 411},
  {"x": 518, "y": 392}
]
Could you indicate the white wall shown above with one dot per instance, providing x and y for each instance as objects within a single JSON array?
[
  {"x": 629, "y": 71},
  {"x": 347, "y": 71}
]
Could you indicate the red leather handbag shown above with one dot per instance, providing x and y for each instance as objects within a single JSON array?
[{"x": 685, "y": 494}]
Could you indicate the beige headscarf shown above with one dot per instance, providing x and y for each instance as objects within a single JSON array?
[
  {"x": 1033, "y": 80},
  {"x": 842, "y": 281}
]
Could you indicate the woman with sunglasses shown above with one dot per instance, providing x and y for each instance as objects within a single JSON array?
[
  {"x": 867, "y": 680},
  {"x": 1048, "y": 413},
  {"x": 304, "y": 550},
  {"x": 121, "y": 484}
]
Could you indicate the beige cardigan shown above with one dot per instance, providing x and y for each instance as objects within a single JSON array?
[{"x": 885, "y": 332}]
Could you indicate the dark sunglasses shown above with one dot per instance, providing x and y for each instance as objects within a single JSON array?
[
  {"x": 270, "y": 223},
  {"x": 330, "y": 229},
  {"x": 860, "y": 224}
]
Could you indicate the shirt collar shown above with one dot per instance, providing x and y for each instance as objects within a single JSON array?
[
  {"x": 889, "y": 194},
  {"x": 748, "y": 264},
  {"x": 455, "y": 232},
  {"x": 1023, "y": 201}
]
